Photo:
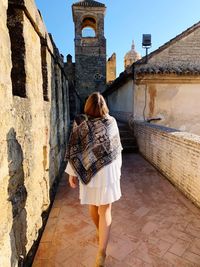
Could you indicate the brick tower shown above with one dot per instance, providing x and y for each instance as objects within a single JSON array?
[{"x": 90, "y": 47}]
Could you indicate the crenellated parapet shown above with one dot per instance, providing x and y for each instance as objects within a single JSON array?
[{"x": 34, "y": 119}]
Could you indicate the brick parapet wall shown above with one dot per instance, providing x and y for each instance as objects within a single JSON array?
[{"x": 174, "y": 153}]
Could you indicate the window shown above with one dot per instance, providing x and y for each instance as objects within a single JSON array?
[
  {"x": 18, "y": 73},
  {"x": 44, "y": 69},
  {"x": 98, "y": 77},
  {"x": 88, "y": 27},
  {"x": 88, "y": 32}
]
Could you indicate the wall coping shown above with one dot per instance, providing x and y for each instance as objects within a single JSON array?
[
  {"x": 190, "y": 138},
  {"x": 34, "y": 16}
]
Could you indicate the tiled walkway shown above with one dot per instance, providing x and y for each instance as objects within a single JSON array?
[{"x": 153, "y": 225}]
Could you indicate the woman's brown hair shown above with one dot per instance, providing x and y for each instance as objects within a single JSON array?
[{"x": 96, "y": 106}]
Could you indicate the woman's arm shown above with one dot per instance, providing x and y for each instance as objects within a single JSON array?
[{"x": 73, "y": 180}]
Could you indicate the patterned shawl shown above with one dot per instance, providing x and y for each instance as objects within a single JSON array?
[{"x": 93, "y": 144}]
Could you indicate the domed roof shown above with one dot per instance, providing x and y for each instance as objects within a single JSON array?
[
  {"x": 89, "y": 3},
  {"x": 131, "y": 57}
]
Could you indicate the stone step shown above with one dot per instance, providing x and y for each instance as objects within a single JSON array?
[
  {"x": 126, "y": 134},
  {"x": 124, "y": 127},
  {"x": 130, "y": 149},
  {"x": 128, "y": 141}
]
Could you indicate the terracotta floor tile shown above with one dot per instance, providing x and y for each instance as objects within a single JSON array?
[
  {"x": 58, "y": 244},
  {"x": 156, "y": 261},
  {"x": 85, "y": 251},
  {"x": 195, "y": 222},
  {"x": 71, "y": 263},
  {"x": 121, "y": 250},
  {"x": 89, "y": 262},
  {"x": 181, "y": 225},
  {"x": 158, "y": 247},
  {"x": 37, "y": 263},
  {"x": 177, "y": 261},
  {"x": 195, "y": 246},
  {"x": 62, "y": 255},
  {"x": 166, "y": 236},
  {"x": 194, "y": 258},
  {"x": 179, "y": 247},
  {"x": 48, "y": 235},
  {"x": 112, "y": 262},
  {"x": 49, "y": 230},
  {"x": 182, "y": 235},
  {"x": 133, "y": 261},
  {"x": 46, "y": 263},
  {"x": 57, "y": 204},
  {"x": 92, "y": 237},
  {"x": 141, "y": 211},
  {"x": 154, "y": 225},
  {"x": 43, "y": 252},
  {"x": 143, "y": 253},
  {"x": 54, "y": 212},
  {"x": 149, "y": 227},
  {"x": 193, "y": 230}
]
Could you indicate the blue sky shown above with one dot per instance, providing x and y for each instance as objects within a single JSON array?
[{"x": 125, "y": 20}]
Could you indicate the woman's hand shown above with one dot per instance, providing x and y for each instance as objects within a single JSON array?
[{"x": 73, "y": 181}]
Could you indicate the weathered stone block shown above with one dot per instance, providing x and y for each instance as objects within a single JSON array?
[{"x": 30, "y": 157}]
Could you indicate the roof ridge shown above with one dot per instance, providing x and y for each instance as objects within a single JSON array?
[
  {"x": 90, "y": 3},
  {"x": 171, "y": 41}
]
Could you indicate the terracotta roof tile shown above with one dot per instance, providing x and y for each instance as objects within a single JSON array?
[
  {"x": 154, "y": 69},
  {"x": 179, "y": 70}
]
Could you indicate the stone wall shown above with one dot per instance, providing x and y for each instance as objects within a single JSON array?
[
  {"x": 166, "y": 86},
  {"x": 74, "y": 97},
  {"x": 90, "y": 67},
  {"x": 120, "y": 102},
  {"x": 90, "y": 52},
  {"x": 169, "y": 100},
  {"x": 111, "y": 69},
  {"x": 33, "y": 127},
  {"x": 174, "y": 101},
  {"x": 174, "y": 153}
]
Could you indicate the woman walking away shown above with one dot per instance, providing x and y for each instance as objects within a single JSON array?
[{"x": 94, "y": 159}]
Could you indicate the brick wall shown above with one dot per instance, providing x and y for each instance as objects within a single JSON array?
[{"x": 174, "y": 153}]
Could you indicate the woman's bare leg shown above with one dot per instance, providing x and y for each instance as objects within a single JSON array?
[
  {"x": 105, "y": 220},
  {"x": 94, "y": 215}
]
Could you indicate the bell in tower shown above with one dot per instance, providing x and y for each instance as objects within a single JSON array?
[{"x": 90, "y": 47}]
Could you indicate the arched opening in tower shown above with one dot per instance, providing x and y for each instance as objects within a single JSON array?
[{"x": 88, "y": 27}]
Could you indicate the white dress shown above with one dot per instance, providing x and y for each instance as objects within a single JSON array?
[{"x": 104, "y": 188}]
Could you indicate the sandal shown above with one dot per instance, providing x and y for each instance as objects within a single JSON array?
[{"x": 100, "y": 259}]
